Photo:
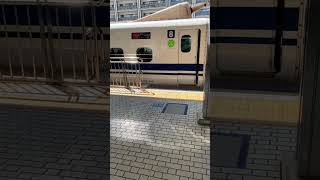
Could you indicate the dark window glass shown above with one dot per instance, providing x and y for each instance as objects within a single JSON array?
[
  {"x": 22, "y": 15},
  {"x": 53, "y": 14},
  {"x": 88, "y": 16},
  {"x": 102, "y": 16},
  {"x": 116, "y": 52},
  {"x": 145, "y": 54},
  {"x": 63, "y": 16},
  {"x": 76, "y": 17},
  {"x": 10, "y": 15},
  {"x": 34, "y": 15},
  {"x": 186, "y": 43}
]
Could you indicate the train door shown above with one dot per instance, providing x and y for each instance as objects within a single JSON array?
[
  {"x": 248, "y": 40},
  {"x": 188, "y": 57}
]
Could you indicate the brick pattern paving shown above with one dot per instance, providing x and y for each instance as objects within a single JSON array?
[
  {"x": 266, "y": 145},
  {"x": 53, "y": 144},
  {"x": 145, "y": 144},
  {"x": 149, "y": 145},
  {"x": 74, "y": 93}
]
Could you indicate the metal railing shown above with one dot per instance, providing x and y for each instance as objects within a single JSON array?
[
  {"x": 126, "y": 72},
  {"x": 49, "y": 43}
]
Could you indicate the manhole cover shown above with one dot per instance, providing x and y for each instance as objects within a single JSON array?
[
  {"x": 230, "y": 150},
  {"x": 175, "y": 108}
]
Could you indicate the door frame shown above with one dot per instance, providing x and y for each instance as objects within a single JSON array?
[{"x": 197, "y": 53}]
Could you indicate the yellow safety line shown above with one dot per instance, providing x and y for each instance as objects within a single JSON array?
[{"x": 163, "y": 94}]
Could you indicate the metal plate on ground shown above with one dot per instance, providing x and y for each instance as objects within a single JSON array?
[
  {"x": 230, "y": 150},
  {"x": 175, "y": 108}
]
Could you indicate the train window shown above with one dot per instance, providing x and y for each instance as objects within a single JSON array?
[
  {"x": 145, "y": 54},
  {"x": 186, "y": 43},
  {"x": 116, "y": 52}
]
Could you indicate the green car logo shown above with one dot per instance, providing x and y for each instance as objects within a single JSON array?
[{"x": 170, "y": 43}]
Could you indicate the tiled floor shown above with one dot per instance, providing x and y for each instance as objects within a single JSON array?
[
  {"x": 266, "y": 145},
  {"x": 52, "y": 144},
  {"x": 45, "y": 92},
  {"x": 145, "y": 144},
  {"x": 70, "y": 96},
  {"x": 148, "y": 144}
]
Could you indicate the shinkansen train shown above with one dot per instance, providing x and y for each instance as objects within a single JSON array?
[
  {"x": 259, "y": 42},
  {"x": 256, "y": 45},
  {"x": 252, "y": 45},
  {"x": 172, "y": 52}
]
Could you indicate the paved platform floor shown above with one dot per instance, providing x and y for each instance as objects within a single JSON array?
[
  {"x": 52, "y": 144},
  {"x": 148, "y": 144},
  {"x": 264, "y": 157},
  {"x": 69, "y": 96},
  {"x": 145, "y": 143}
]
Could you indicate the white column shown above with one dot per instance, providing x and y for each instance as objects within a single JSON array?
[
  {"x": 139, "y": 8},
  {"x": 193, "y": 3},
  {"x": 115, "y": 5}
]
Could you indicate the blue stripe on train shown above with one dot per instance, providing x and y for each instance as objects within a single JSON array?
[
  {"x": 260, "y": 18},
  {"x": 250, "y": 40},
  {"x": 173, "y": 74},
  {"x": 164, "y": 67}
]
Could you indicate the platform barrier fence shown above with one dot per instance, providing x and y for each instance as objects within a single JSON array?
[
  {"x": 52, "y": 49},
  {"x": 48, "y": 41},
  {"x": 126, "y": 72}
]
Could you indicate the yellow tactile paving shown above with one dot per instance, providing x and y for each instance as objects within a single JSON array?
[
  {"x": 163, "y": 94},
  {"x": 273, "y": 109}
]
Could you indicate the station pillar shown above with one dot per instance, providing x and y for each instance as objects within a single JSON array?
[{"x": 308, "y": 141}]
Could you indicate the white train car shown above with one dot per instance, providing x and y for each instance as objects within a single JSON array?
[
  {"x": 255, "y": 61},
  {"x": 173, "y": 52},
  {"x": 256, "y": 45}
]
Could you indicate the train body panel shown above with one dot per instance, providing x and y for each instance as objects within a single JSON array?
[
  {"x": 259, "y": 40},
  {"x": 256, "y": 40},
  {"x": 177, "y": 58}
]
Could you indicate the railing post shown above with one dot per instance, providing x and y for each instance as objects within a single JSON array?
[
  {"x": 55, "y": 74},
  {"x": 96, "y": 53},
  {"x": 128, "y": 70},
  {"x": 44, "y": 52}
]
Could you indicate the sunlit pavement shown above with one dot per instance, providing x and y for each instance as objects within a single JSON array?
[{"x": 149, "y": 144}]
